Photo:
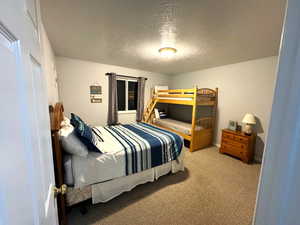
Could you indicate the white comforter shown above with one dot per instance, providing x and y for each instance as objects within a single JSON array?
[{"x": 97, "y": 168}]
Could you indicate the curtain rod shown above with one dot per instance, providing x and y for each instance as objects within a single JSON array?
[{"x": 120, "y": 75}]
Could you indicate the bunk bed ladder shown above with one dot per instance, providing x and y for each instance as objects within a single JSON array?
[{"x": 149, "y": 109}]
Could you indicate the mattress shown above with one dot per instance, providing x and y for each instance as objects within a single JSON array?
[{"x": 177, "y": 125}]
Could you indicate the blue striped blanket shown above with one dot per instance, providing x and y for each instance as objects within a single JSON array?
[{"x": 144, "y": 146}]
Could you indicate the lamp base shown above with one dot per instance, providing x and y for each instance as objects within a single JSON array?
[{"x": 248, "y": 129}]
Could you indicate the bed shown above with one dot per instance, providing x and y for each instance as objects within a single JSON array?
[
  {"x": 128, "y": 155},
  {"x": 200, "y": 131},
  {"x": 103, "y": 176}
]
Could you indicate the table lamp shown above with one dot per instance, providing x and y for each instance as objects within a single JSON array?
[{"x": 249, "y": 120}]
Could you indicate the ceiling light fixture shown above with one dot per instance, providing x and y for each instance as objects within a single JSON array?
[{"x": 167, "y": 51}]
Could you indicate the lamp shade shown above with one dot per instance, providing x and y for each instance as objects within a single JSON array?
[{"x": 249, "y": 118}]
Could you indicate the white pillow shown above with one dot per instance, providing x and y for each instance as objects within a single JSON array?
[
  {"x": 156, "y": 113},
  {"x": 66, "y": 121},
  {"x": 71, "y": 143}
]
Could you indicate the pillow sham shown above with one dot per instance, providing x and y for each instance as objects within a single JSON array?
[
  {"x": 85, "y": 133},
  {"x": 71, "y": 143}
]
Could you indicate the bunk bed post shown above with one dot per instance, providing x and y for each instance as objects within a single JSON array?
[
  {"x": 192, "y": 142},
  {"x": 214, "y": 114}
]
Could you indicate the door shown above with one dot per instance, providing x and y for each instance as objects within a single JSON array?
[
  {"x": 278, "y": 197},
  {"x": 26, "y": 163}
]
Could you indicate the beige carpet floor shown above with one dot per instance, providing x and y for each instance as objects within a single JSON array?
[{"x": 215, "y": 189}]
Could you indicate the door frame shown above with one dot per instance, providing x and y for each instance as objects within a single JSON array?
[{"x": 278, "y": 196}]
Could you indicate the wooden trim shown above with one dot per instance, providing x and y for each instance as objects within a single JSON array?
[
  {"x": 202, "y": 138},
  {"x": 205, "y": 103},
  {"x": 205, "y": 122},
  {"x": 206, "y": 91},
  {"x": 178, "y": 91},
  {"x": 177, "y": 102},
  {"x": 175, "y": 95},
  {"x": 56, "y": 117},
  {"x": 208, "y": 94}
]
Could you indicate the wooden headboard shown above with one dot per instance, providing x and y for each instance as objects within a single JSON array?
[{"x": 56, "y": 117}]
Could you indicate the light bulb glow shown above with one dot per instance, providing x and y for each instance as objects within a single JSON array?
[{"x": 167, "y": 52}]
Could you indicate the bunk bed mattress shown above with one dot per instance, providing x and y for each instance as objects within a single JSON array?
[{"x": 177, "y": 125}]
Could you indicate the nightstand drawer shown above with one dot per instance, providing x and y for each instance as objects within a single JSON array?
[
  {"x": 235, "y": 137},
  {"x": 234, "y": 143},
  {"x": 241, "y": 139},
  {"x": 227, "y": 135},
  {"x": 232, "y": 150}
]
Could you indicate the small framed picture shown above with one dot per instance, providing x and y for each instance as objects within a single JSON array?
[
  {"x": 95, "y": 90},
  {"x": 232, "y": 125},
  {"x": 238, "y": 128}
]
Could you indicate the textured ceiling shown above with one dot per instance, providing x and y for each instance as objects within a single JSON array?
[{"x": 128, "y": 33}]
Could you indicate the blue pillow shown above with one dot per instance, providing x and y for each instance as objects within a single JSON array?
[{"x": 84, "y": 133}]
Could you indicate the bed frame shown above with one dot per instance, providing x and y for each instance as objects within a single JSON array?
[{"x": 195, "y": 97}]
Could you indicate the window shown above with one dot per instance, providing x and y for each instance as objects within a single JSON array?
[{"x": 127, "y": 95}]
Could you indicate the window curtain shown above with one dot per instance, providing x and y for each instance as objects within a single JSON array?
[
  {"x": 140, "y": 100},
  {"x": 112, "y": 117}
]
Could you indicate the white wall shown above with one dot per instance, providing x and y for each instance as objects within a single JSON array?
[
  {"x": 75, "y": 77},
  {"x": 243, "y": 87},
  {"x": 49, "y": 68}
]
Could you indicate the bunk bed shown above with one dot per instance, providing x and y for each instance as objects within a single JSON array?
[{"x": 200, "y": 131}]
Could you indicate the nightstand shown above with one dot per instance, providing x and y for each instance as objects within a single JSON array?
[{"x": 238, "y": 144}]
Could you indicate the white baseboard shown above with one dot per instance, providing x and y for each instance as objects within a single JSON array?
[{"x": 217, "y": 145}]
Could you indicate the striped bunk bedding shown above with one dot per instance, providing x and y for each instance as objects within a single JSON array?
[{"x": 144, "y": 146}]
